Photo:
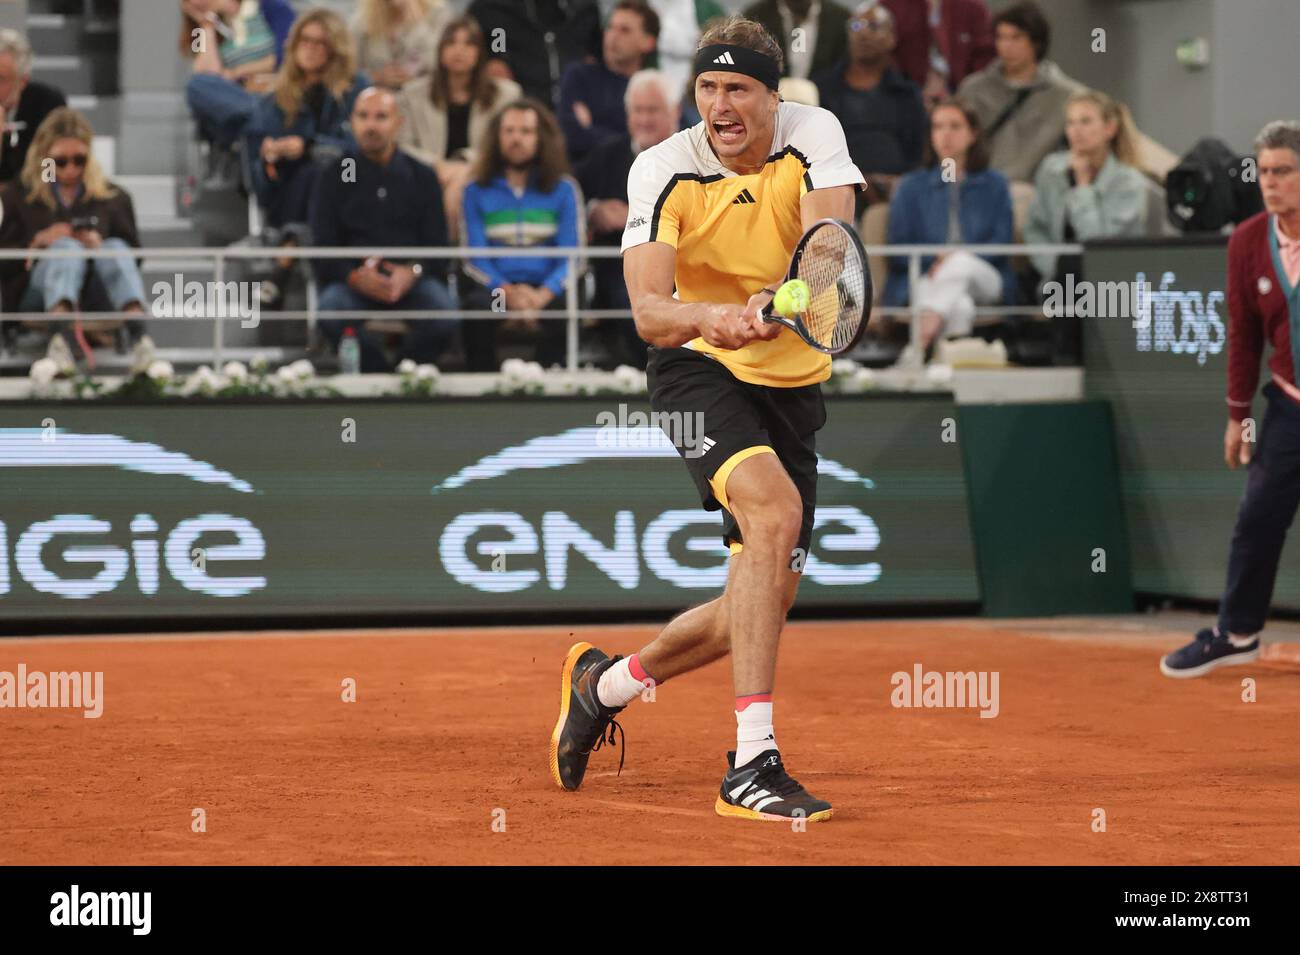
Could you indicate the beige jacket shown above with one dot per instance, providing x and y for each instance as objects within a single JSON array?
[{"x": 424, "y": 127}]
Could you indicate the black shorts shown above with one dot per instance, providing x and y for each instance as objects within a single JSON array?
[{"x": 735, "y": 417}]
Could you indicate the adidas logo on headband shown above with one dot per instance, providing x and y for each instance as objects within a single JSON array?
[{"x": 733, "y": 58}]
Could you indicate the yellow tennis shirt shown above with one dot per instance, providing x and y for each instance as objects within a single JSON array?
[{"x": 734, "y": 234}]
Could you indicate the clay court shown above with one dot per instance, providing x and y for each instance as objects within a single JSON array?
[{"x": 450, "y": 725}]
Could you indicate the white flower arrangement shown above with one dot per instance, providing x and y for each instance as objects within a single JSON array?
[
  {"x": 848, "y": 377},
  {"x": 160, "y": 371},
  {"x": 204, "y": 381},
  {"x": 629, "y": 380},
  {"x": 43, "y": 372}
]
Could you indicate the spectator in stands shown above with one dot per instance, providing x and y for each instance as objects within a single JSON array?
[
  {"x": 941, "y": 42},
  {"x": 1263, "y": 314},
  {"x": 1021, "y": 95},
  {"x": 680, "y": 23},
  {"x": 446, "y": 111},
  {"x": 25, "y": 104},
  {"x": 520, "y": 196},
  {"x": 389, "y": 199},
  {"x": 881, "y": 110},
  {"x": 653, "y": 114},
  {"x": 1089, "y": 191},
  {"x": 397, "y": 39},
  {"x": 300, "y": 125},
  {"x": 955, "y": 200},
  {"x": 821, "y": 32},
  {"x": 540, "y": 38},
  {"x": 235, "y": 52},
  {"x": 306, "y": 113},
  {"x": 591, "y": 94},
  {"x": 63, "y": 201}
]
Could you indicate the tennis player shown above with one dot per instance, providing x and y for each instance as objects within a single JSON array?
[{"x": 715, "y": 212}]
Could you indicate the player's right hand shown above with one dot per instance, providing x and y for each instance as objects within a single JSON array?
[{"x": 723, "y": 326}]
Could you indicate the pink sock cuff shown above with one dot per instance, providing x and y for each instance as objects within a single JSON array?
[
  {"x": 744, "y": 701},
  {"x": 635, "y": 668}
]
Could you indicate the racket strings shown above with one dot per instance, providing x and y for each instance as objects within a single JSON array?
[{"x": 835, "y": 274}]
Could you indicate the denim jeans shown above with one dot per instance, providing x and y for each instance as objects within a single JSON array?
[
  {"x": 425, "y": 339},
  {"x": 221, "y": 107},
  {"x": 56, "y": 280}
]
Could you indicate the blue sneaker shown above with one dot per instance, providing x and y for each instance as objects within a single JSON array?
[{"x": 1210, "y": 649}]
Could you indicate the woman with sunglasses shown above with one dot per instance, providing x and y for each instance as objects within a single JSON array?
[{"x": 63, "y": 201}]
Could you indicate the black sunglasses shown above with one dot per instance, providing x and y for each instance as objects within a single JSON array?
[{"x": 79, "y": 161}]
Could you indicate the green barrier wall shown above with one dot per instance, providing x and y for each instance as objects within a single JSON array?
[
  {"x": 1165, "y": 380},
  {"x": 211, "y": 510},
  {"x": 1045, "y": 505}
]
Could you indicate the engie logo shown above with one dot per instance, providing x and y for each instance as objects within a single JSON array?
[
  {"x": 508, "y": 533},
  {"x": 181, "y": 552}
]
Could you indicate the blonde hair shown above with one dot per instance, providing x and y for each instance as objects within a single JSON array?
[
  {"x": 340, "y": 71},
  {"x": 376, "y": 17},
  {"x": 1124, "y": 142},
  {"x": 63, "y": 123}
]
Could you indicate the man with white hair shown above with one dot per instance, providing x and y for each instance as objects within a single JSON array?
[
  {"x": 25, "y": 104},
  {"x": 1263, "y": 308},
  {"x": 653, "y": 105}
]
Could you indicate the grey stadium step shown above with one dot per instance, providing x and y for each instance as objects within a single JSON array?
[{"x": 154, "y": 197}]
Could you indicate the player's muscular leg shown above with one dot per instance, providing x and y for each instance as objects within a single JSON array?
[
  {"x": 702, "y": 634},
  {"x": 768, "y": 508},
  {"x": 691, "y": 640}
]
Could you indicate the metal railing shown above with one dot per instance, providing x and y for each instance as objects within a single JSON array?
[{"x": 571, "y": 313}]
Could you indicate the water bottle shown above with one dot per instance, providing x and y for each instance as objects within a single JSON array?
[{"x": 350, "y": 352}]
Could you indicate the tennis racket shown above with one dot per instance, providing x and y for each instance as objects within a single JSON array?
[{"x": 826, "y": 297}]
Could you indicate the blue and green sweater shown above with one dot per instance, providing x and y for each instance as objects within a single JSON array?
[{"x": 495, "y": 216}]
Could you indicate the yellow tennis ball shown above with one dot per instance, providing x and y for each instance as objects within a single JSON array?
[{"x": 791, "y": 298}]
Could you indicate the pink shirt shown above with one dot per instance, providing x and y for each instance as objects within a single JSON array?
[{"x": 1289, "y": 251}]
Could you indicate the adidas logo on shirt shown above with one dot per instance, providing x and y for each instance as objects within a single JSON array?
[
  {"x": 743, "y": 198},
  {"x": 724, "y": 58},
  {"x": 707, "y": 445}
]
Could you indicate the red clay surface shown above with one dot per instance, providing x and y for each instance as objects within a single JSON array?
[{"x": 452, "y": 725}]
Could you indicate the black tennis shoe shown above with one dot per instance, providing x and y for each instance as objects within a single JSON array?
[
  {"x": 1210, "y": 649},
  {"x": 583, "y": 720},
  {"x": 762, "y": 789}
]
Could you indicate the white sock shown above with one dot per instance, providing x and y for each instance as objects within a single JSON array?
[
  {"x": 754, "y": 733},
  {"x": 1237, "y": 641},
  {"x": 617, "y": 686}
]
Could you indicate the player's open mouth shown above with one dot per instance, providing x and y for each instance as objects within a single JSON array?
[{"x": 728, "y": 132}]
